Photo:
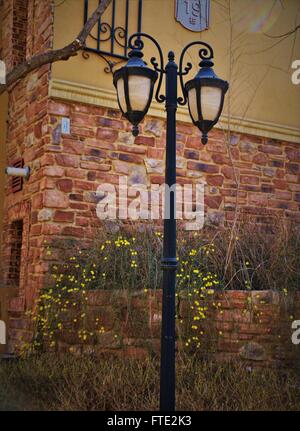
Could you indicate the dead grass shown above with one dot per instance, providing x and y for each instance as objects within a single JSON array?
[{"x": 49, "y": 382}]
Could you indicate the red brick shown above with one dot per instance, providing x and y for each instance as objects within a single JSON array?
[
  {"x": 280, "y": 184},
  {"x": 65, "y": 185},
  {"x": 216, "y": 147},
  {"x": 73, "y": 147},
  {"x": 194, "y": 143},
  {"x": 247, "y": 147},
  {"x": 66, "y": 160},
  {"x": 191, "y": 154},
  {"x": 260, "y": 159},
  {"x": 228, "y": 172},
  {"x": 249, "y": 179},
  {"x": 114, "y": 113},
  {"x": 145, "y": 140},
  {"x": 95, "y": 152},
  {"x": 155, "y": 153},
  {"x": 47, "y": 159},
  {"x": 215, "y": 180},
  {"x": 220, "y": 159},
  {"x": 108, "y": 135},
  {"x": 63, "y": 216},
  {"x": 293, "y": 178},
  {"x": 293, "y": 168},
  {"x": 213, "y": 202},
  {"x": 184, "y": 128},
  {"x": 269, "y": 149},
  {"x": 108, "y": 122},
  {"x": 100, "y": 144},
  {"x": 55, "y": 199},
  {"x": 78, "y": 131},
  {"x": 54, "y": 171},
  {"x": 131, "y": 158},
  {"x": 132, "y": 149},
  {"x": 38, "y": 130},
  {"x": 293, "y": 155},
  {"x": 37, "y": 201},
  {"x": 51, "y": 229},
  {"x": 83, "y": 185},
  {"x": 58, "y": 108},
  {"x": 285, "y": 195},
  {"x": 203, "y": 167},
  {"x": 75, "y": 173},
  {"x": 84, "y": 120},
  {"x": 266, "y": 188},
  {"x": 73, "y": 231},
  {"x": 82, "y": 221}
]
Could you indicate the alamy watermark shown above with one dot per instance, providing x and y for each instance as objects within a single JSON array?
[
  {"x": 140, "y": 202},
  {"x": 296, "y": 333},
  {"x": 296, "y": 74}
]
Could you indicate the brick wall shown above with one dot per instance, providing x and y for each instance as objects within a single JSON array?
[
  {"x": 19, "y": 35},
  {"x": 27, "y": 30},
  {"x": 255, "y": 326},
  {"x": 248, "y": 174},
  {"x": 16, "y": 237}
]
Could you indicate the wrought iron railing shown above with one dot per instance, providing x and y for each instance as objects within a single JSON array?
[{"x": 110, "y": 37}]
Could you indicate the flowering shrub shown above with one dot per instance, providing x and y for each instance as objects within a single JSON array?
[{"x": 130, "y": 260}]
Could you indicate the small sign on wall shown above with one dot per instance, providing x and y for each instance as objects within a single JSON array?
[
  {"x": 193, "y": 14},
  {"x": 65, "y": 126}
]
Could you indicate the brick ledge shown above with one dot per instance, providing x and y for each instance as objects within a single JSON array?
[{"x": 82, "y": 93}]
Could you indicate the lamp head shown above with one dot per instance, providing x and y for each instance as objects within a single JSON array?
[
  {"x": 205, "y": 93},
  {"x": 134, "y": 84}
]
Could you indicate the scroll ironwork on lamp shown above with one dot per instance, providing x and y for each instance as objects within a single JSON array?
[
  {"x": 205, "y": 97},
  {"x": 204, "y": 93}
]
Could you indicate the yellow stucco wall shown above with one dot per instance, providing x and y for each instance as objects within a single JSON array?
[{"x": 258, "y": 66}]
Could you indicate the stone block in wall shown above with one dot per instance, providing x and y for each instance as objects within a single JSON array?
[
  {"x": 253, "y": 351},
  {"x": 227, "y": 333},
  {"x": 109, "y": 339}
]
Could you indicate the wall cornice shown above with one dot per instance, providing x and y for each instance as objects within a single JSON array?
[{"x": 82, "y": 93}]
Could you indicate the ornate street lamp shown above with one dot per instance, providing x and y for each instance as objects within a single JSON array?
[
  {"x": 205, "y": 97},
  {"x": 134, "y": 83}
]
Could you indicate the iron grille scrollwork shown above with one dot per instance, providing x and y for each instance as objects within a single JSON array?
[{"x": 109, "y": 38}]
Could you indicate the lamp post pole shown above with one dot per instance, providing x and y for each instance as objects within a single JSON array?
[
  {"x": 169, "y": 260},
  {"x": 205, "y": 96}
]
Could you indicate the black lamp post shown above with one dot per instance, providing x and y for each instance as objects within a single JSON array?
[{"x": 205, "y": 96}]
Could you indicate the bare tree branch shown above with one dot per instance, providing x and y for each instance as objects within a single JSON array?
[
  {"x": 294, "y": 30},
  {"x": 21, "y": 70}
]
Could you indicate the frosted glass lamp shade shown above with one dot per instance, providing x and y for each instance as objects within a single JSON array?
[
  {"x": 211, "y": 99},
  {"x": 139, "y": 88},
  {"x": 121, "y": 95},
  {"x": 205, "y": 94},
  {"x": 139, "y": 92},
  {"x": 192, "y": 101},
  {"x": 134, "y": 84}
]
